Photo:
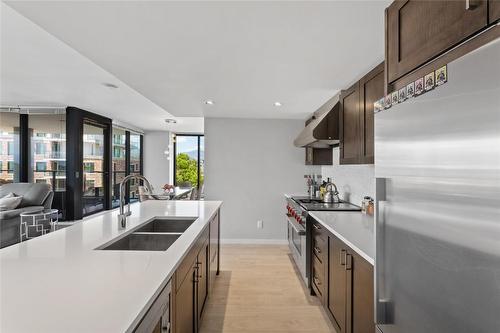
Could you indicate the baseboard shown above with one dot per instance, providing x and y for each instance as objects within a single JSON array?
[{"x": 254, "y": 241}]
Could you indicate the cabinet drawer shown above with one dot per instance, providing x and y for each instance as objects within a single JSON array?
[
  {"x": 319, "y": 247},
  {"x": 318, "y": 230},
  {"x": 317, "y": 277}
]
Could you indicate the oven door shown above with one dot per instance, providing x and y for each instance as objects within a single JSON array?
[{"x": 297, "y": 244}]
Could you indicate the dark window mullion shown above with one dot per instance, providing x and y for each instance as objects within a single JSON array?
[{"x": 127, "y": 165}]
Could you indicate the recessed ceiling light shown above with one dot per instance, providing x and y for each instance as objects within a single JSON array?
[
  {"x": 170, "y": 121},
  {"x": 209, "y": 102},
  {"x": 110, "y": 85},
  {"x": 277, "y": 104}
]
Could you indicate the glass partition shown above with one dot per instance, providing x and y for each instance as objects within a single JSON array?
[{"x": 9, "y": 147}]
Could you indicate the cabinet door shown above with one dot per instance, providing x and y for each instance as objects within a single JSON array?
[
  {"x": 202, "y": 281},
  {"x": 309, "y": 155},
  {"x": 214, "y": 250},
  {"x": 337, "y": 283},
  {"x": 371, "y": 89},
  {"x": 349, "y": 126},
  {"x": 417, "y": 31},
  {"x": 185, "y": 305},
  {"x": 362, "y": 295},
  {"x": 494, "y": 10}
]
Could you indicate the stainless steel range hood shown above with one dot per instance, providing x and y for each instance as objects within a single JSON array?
[{"x": 322, "y": 131}]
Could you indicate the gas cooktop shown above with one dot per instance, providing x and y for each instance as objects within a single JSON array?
[{"x": 317, "y": 204}]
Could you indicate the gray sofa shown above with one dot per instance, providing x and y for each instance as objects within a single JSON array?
[{"x": 36, "y": 197}]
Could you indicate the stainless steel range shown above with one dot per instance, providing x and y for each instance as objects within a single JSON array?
[{"x": 299, "y": 233}]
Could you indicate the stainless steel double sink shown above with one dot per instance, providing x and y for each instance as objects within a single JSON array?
[{"x": 158, "y": 234}]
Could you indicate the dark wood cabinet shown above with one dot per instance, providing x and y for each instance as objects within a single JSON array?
[
  {"x": 493, "y": 10},
  {"x": 201, "y": 280},
  {"x": 349, "y": 125},
  {"x": 184, "y": 305},
  {"x": 362, "y": 295},
  {"x": 319, "y": 258},
  {"x": 193, "y": 279},
  {"x": 418, "y": 31},
  {"x": 343, "y": 281},
  {"x": 357, "y": 118},
  {"x": 214, "y": 250},
  {"x": 337, "y": 283},
  {"x": 371, "y": 89},
  {"x": 319, "y": 156}
]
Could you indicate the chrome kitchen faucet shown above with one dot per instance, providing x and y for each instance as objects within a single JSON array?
[{"x": 122, "y": 217}]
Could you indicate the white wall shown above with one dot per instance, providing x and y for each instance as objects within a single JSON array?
[
  {"x": 249, "y": 165},
  {"x": 156, "y": 162},
  {"x": 353, "y": 181}
]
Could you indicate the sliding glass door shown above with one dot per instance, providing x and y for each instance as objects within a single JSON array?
[{"x": 93, "y": 169}]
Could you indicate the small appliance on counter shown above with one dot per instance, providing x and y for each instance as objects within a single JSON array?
[{"x": 299, "y": 230}]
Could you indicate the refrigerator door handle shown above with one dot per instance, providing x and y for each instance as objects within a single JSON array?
[{"x": 383, "y": 306}]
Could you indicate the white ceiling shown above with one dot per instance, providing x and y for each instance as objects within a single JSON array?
[
  {"x": 244, "y": 55},
  {"x": 37, "y": 69}
]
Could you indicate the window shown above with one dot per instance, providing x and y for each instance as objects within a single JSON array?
[
  {"x": 88, "y": 166},
  {"x": 119, "y": 170},
  {"x": 41, "y": 166},
  {"x": 93, "y": 169},
  {"x": 11, "y": 165},
  {"x": 135, "y": 163},
  {"x": 47, "y": 149},
  {"x": 189, "y": 160},
  {"x": 11, "y": 150},
  {"x": 9, "y": 143},
  {"x": 118, "y": 152},
  {"x": 40, "y": 148}
]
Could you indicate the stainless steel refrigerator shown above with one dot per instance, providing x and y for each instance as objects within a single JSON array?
[{"x": 437, "y": 164}]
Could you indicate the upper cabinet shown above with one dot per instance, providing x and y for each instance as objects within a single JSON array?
[
  {"x": 417, "y": 31},
  {"x": 371, "y": 89},
  {"x": 356, "y": 118},
  {"x": 494, "y": 10}
]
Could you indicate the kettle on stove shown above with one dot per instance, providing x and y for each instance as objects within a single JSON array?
[{"x": 331, "y": 193}]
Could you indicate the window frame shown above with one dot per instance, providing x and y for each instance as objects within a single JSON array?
[{"x": 198, "y": 156}]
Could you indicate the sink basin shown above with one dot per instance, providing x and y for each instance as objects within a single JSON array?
[
  {"x": 167, "y": 225},
  {"x": 143, "y": 241}
]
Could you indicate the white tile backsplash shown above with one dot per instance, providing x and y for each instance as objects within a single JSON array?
[{"x": 353, "y": 181}]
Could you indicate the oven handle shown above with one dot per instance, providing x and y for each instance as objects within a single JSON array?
[{"x": 296, "y": 226}]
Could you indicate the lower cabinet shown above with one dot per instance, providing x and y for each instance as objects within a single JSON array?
[
  {"x": 192, "y": 280},
  {"x": 347, "y": 289}
]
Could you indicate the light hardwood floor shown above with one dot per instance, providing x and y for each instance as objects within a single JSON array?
[{"x": 258, "y": 290}]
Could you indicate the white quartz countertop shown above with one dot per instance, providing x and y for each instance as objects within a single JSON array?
[
  {"x": 60, "y": 283},
  {"x": 355, "y": 229}
]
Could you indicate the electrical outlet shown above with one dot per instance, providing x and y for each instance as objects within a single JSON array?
[{"x": 259, "y": 224}]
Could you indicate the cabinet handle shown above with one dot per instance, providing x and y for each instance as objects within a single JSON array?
[
  {"x": 348, "y": 262},
  {"x": 316, "y": 281},
  {"x": 317, "y": 227},
  {"x": 318, "y": 251},
  {"x": 471, "y": 4},
  {"x": 166, "y": 328},
  {"x": 343, "y": 254}
]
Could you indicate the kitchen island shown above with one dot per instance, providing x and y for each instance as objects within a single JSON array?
[{"x": 61, "y": 282}]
